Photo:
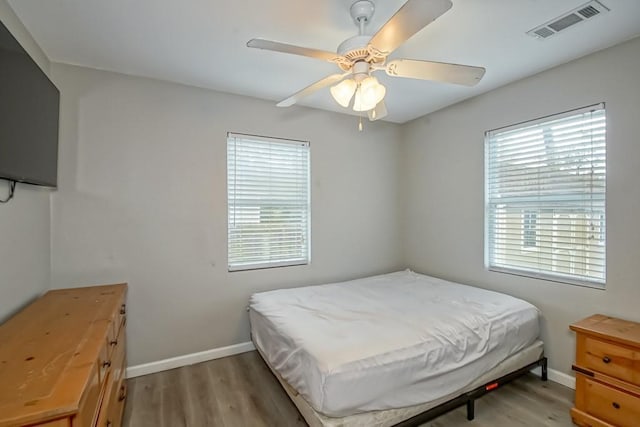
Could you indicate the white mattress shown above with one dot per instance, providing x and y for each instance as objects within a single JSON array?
[
  {"x": 386, "y": 341},
  {"x": 391, "y": 417}
]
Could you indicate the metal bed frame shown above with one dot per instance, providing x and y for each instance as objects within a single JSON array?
[{"x": 470, "y": 397}]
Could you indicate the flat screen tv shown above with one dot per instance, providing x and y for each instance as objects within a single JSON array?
[{"x": 29, "y": 113}]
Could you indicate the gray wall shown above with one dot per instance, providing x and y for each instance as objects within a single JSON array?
[
  {"x": 142, "y": 198},
  {"x": 24, "y": 221},
  {"x": 443, "y": 195}
]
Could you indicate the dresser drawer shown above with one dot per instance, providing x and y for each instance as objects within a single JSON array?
[
  {"x": 114, "y": 351},
  {"x": 122, "y": 316},
  {"x": 585, "y": 420},
  {"x": 87, "y": 412},
  {"x": 104, "y": 361},
  {"x": 118, "y": 320},
  {"x": 115, "y": 341},
  {"x": 116, "y": 405},
  {"x": 612, "y": 359},
  {"x": 113, "y": 402},
  {"x": 609, "y": 404}
]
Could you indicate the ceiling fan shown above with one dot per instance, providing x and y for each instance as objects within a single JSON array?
[{"x": 359, "y": 56}]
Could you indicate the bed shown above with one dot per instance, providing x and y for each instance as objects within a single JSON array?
[{"x": 386, "y": 349}]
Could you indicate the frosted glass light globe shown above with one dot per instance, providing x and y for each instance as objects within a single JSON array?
[{"x": 343, "y": 91}]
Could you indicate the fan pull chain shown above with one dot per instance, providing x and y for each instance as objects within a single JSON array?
[{"x": 360, "y": 124}]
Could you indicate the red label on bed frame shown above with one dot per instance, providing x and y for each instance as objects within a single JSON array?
[{"x": 491, "y": 386}]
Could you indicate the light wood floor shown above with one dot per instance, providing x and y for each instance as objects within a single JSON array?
[{"x": 240, "y": 391}]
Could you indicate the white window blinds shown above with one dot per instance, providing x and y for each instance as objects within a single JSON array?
[
  {"x": 545, "y": 198},
  {"x": 268, "y": 202}
]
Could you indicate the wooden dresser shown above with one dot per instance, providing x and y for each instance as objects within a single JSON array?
[
  {"x": 62, "y": 360},
  {"x": 607, "y": 372}
]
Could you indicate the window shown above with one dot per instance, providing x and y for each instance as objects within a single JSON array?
[
  {"x": 268, "y": 202},
  {"x": 545, "y": 198}
]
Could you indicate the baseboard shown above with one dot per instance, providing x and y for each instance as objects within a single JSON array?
[
  {"x": 188, "y": 359},
  {"x": 558, "y": 377}
]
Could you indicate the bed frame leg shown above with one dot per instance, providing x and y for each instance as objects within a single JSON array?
[
  {"x": 543, "y": 365},
  {"x": 471, "y": 413}
]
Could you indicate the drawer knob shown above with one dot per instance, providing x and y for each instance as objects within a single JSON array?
[
  {"x": 114, "y": 342},
  {"x": 106, "y": 364},
  {"x": 123, "y": 393},
  {"x": 109, "y": 423},
  {"x": 123, "y": 309},
  {"x": 606, "y": 359},
  {"x": 616, "y": 405}
]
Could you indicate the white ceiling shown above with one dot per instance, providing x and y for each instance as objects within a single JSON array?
[{"x": 202, "y": 42}]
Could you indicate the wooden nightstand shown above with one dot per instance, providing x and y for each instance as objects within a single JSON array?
[{"x": 607, "y": 372}]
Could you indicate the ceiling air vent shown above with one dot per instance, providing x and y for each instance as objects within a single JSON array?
[
  {"x": 566, "y": 20},
  {"x": 544, "y": 32},
  {"x": 588, "y": 12}
]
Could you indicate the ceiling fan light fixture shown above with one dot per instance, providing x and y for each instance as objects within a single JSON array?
[
  {"x": 369, "y": 94},
  {"x": 362, "y": 104},
  {"x": 343, "y": 92}
]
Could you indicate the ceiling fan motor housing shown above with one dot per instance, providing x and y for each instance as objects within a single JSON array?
[
  {"x": 360, "y": 70},
  {"x": 354, "y": 48}
]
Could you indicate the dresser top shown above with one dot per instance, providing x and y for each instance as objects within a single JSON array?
[
  {"x": 48, "y": 350},
  {"x": 611, "y": 328}
]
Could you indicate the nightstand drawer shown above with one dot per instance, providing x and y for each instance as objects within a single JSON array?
[
  {"x": 612, "y": 359},
  {"x": 609, "y": 404}
]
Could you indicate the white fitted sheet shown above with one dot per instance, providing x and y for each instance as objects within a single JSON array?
[{"x": 386, "y": 341}]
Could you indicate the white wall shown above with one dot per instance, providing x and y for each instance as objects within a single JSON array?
[
  {"x": 443, "y": 167},
  {"x": 142, "y": 198},
  {"x": 24, "y": 221}
]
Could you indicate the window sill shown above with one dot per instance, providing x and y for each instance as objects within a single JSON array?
[{"x": 549, "y": 278}]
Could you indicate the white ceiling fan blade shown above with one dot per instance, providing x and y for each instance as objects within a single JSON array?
[
  {"x": 327, "y": 81},
  {"x": 413, "y": 16},
  {"x": 437, "y": 71},
  {"x": 379, "y": 112},
  {"x": 295, "y": 50}
]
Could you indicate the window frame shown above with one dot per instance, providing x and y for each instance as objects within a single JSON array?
[
  {"x": 600, "y": 222},
  {"x": 268, "y": 264}
]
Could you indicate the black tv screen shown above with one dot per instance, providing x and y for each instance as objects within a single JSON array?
[{"x": 29, "y": 112}]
